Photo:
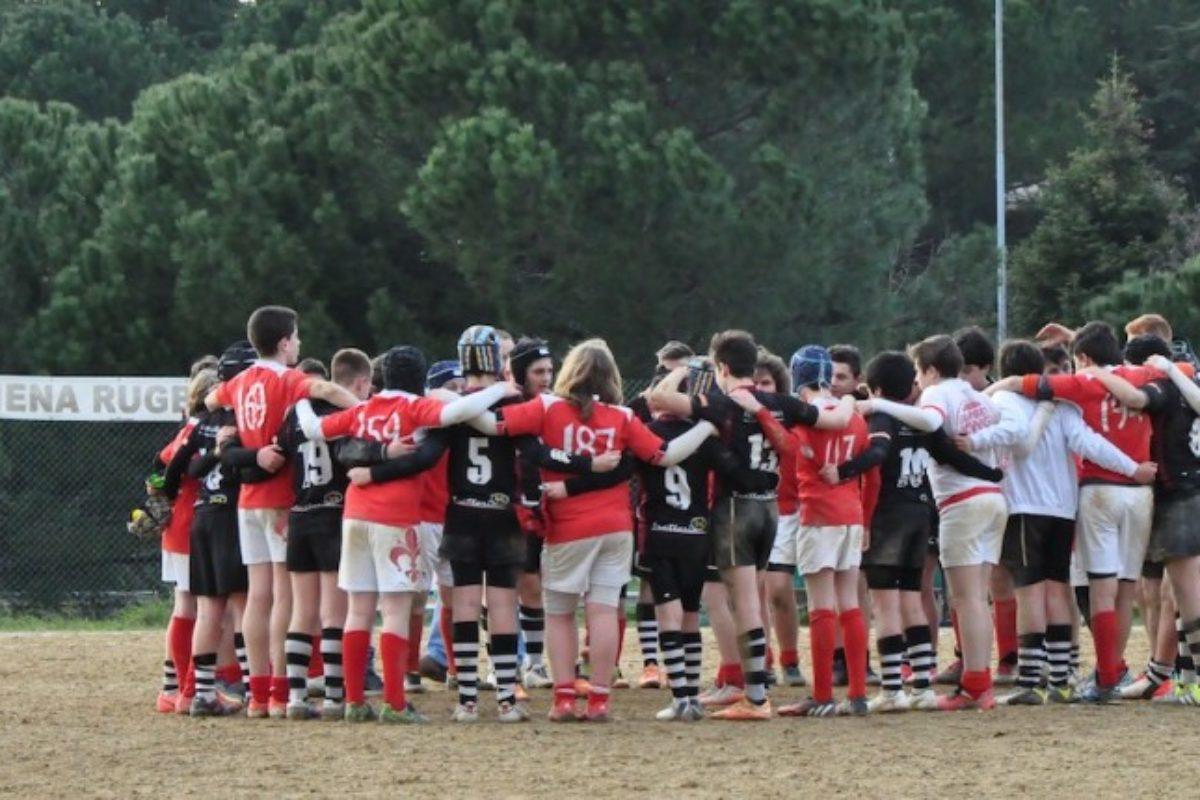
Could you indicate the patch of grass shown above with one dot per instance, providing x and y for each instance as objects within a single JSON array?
[{"x": 145, "y": 615}]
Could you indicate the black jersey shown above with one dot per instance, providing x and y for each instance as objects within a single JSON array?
[
  {"x": 482, "y": 470},
  {"x": 498, "y": 471},
  {"x": 1175, "y": 444},
  {"x": 319, "y": 478},
  {"x": 219, "y": 482},
  {"x": 675, "y": 501},
  {"x": 903, "y": 456},
  {"x": 742, "y": 434}
]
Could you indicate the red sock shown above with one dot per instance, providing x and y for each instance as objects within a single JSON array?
[
  {"x": 854, "y": 635},
  {"x": 734, "y": 676},
  {"x": 1104, "y": 636},
  {"x": 316, "y": 664},
  {"x": 279, "y": 688},
  {"x": 789, "y": 658},
  {"x": 976, "y": 682},
  {"x": 822, "y": 633},
  {"x": 230, "y": 673},
  {"x": 393, "y": 651},
  {"x": 179, "y": 632},
  {"x": 446, "y": 628},
  {"x": 621, "y": 622},
  {"x": 354, "y": 664},
  {"x": 1004, "y": 614},
  {"x": 416, "y": 623},
  {"x": 957, "y": 635},
  {"x": 260, "y": 689}
]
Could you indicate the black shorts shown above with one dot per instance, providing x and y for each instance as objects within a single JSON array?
[
  {"x": 900, "y": 536},
  {"x": 1153, "y": 570},
  {"x": 638, "y": 567},
  {"x": 215, "y": 566},
  {"x": 483, "y": 540},
  {"x": 711, "y": 574},
  {"x": 903, "y": 579},
  {"x": 677, "y": 578},
  {"x": 1037, "y": 548},
  {"x": 743, "y": 531},
  {"x": 1175, "y": 532},
  {"x": 314, "y": 540},
  {"x": 533, "y": 553}
]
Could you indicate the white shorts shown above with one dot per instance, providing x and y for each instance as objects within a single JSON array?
[
  {"x": 262, "y": 534},
  {"x": 432, "y": 532},
  {"x": 176, "y": 569},
  {"x": 383, "y": 558},
  {"x": 1114, "y": 529},
  {"x": 597, "y": 567},
  {"x": 836, "y": 547},
  {"x": 971, "y": 531},
  {"x": 1078, "y": 576},
  {"x": 786, "y": 533}
]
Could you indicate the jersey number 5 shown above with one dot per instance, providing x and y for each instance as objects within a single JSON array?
[{"x": 480, "y": 471}]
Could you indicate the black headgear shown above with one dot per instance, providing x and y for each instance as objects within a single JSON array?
[
  {"x": 404, "y": 369},
  {"x": 479, "y": 351},
  {"x": 524, "y": 354},
  {"x": 700, "y": 377},
  {"x": 237, "y": 357}
]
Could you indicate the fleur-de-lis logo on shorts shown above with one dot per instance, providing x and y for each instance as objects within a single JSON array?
[{"x": 409, "y": 549}]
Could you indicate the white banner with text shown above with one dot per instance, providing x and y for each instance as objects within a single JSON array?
[{"x": 39, "y": 397}]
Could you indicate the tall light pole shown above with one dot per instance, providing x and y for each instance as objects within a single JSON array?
[{"x": 1001, "y": 235}]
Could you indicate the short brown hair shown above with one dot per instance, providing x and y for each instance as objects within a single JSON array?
[
  {"x": 674, "y": 350},
  {"x": 589, "y": 371},
  {"x": 313, "y": 366},
  {"x": 737, "y": 350},
  {"x": 770, "y": 363},
  {"x": 849, "y": 355},
  {"x": 1153, "y": 324},
  {"x": 200, "y": 384},
  {"x": 348, "y": 365},
  {"x": 203, "y": 362},
  {"x": 939, "y": 352},
  {"x": 270, "y": 325}
]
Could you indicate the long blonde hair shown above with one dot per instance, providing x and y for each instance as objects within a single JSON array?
[
  {"x": 589, "y": 373},
  {"x": 198, "y": 388}
]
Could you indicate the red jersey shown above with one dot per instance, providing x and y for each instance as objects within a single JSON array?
[
  {"x": 387, "y": 416},
  {"x": 435, "y": 491},
  {"x": 822, "y": 503},
  {"x": 177, "y": 537},
  {"x": 788, "y": 496},
  {"x": 261, "y": 397},
  {"x": 608, "y": 428},
  {"x": 1126, "y": 429}
]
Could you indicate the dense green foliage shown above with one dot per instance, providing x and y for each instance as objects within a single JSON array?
[{"x": 396, "y": 169}]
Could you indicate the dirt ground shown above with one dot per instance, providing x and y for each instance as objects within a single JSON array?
[{"x": 77, "y": 719}]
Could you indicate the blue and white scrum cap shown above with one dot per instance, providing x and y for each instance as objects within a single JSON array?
[
  {"x": 479, "y": 351},
  {"x": 441, "y": 373},
  {"x": 812, "y": 366}
]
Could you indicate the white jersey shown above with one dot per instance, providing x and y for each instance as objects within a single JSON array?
[
  {"x": 963, "y": 411},
  {"x": 1043, "y": 481}
]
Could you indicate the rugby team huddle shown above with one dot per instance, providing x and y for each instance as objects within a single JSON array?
[{"x": 310, "y": 508}]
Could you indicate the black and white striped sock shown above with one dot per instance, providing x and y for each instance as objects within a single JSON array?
[
  {"x": 1157, "y": 672},
  {"x": 466, "y": 656},
  {"x": 693, "y": 659},
  {"x": 331, "y": 655},
  {"x": 1074, "y": 656},
  {"x": 919, "y": 646},
  {"x": 205, "y": 665},
  {"x": 503, "y": 652},
  {"x": 533, "y": 628},
  {"x": 1191, "y": 635},
  {"x": 243, "y": 658},
  {"x": 647, "y": 625},
  {"x": 297, "y": 650},
  {"x": 1031, "y": 658},
  {"x": 1058, "y": 654},
  {"x": 674, "y": 661},
  {"x": 753, "y": 644},
  {"x": 170, "y": 681},
  {"x": 891, "y": 662}
]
